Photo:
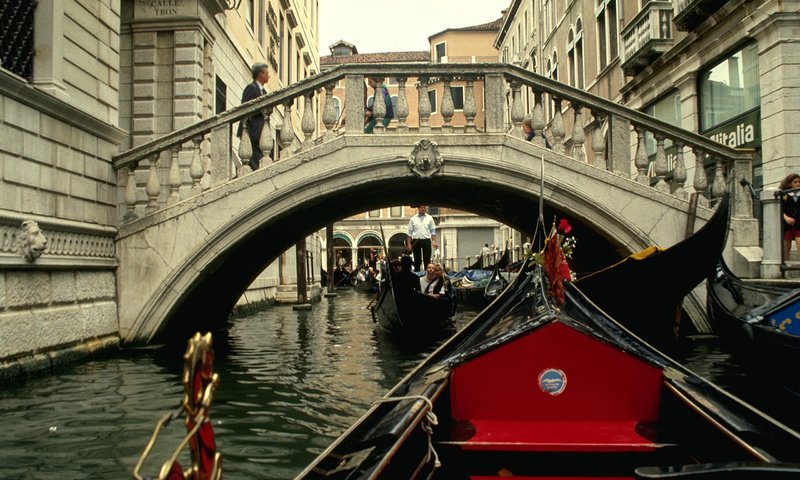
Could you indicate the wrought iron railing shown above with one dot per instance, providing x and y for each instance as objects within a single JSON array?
[{"x": 16, "y": 36}]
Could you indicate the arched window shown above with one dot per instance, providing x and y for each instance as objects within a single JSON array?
[
  {"x": 554, "y": 72},
  {"x": 571, "y": 57},
  {"x": 336, "y": 105}
]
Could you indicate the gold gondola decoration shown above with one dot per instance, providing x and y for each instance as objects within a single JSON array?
[{"x": 199, "y": 383}]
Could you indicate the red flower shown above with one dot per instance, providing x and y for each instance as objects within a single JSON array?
[{"x": 564, "y": 226}]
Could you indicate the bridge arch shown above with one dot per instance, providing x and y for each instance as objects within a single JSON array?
[{"x": 194, "y": 286}]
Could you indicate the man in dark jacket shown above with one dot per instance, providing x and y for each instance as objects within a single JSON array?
[{"x": 255, "y": 123}]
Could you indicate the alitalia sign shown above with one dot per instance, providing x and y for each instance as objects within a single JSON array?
[{"x": 741, "y": 132}]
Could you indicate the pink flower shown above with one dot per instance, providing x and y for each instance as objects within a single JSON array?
[{"x": 564, "y": 226}]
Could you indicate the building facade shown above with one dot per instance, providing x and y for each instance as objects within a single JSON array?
[
  {"x": 84, "y": 80},
  {"x": 716, "y": 68}
]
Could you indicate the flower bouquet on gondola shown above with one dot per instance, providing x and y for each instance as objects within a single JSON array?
[{"x": 554, "y": 259}]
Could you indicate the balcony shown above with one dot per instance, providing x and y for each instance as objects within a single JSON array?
[
  {"x": 691, "y": 13},
  {"x": 647, "y": 37}
]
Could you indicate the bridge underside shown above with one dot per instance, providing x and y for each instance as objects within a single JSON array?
[{"x": 247, "y": 224}]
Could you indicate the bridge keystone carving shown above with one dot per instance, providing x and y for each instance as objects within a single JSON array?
[{"x": 425, "y": 159}]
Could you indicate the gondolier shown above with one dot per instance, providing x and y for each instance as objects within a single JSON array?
[{"x": 421, "y": 236}]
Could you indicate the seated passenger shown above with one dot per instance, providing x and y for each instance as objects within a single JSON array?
[
  {"x": 426, "y": 280},
  {"x": 405, "y": 281},
  {"x": 440, "y": 287}
]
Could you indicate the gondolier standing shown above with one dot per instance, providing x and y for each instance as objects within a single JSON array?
[{"x": 421, "y": 235}]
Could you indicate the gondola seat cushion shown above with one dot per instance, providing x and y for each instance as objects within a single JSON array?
[{"x": 600, "y": 399}]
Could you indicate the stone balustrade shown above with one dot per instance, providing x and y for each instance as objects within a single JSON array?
[{"x": 616, "y": 133}]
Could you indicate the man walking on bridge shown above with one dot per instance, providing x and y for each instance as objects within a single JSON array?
[
  {"x": 255, "y": 123},
  {"x": 421, "y": 235}
]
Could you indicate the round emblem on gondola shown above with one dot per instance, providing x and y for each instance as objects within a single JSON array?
[{"x": 552, "y": 381}]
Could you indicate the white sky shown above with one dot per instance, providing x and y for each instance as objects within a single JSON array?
[{"x": 403, "y": 25}]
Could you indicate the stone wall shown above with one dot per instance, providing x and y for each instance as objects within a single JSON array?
[{"x": 58, "y": 134}]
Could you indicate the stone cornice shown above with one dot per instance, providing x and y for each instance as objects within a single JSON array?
[{"x": 17, "y": 89}]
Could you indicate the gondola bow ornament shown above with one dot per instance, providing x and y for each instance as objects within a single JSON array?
[{"x": 199, "y": 383}]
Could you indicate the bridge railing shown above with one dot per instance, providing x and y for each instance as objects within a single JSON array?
[{"x": 617, "y": 133}]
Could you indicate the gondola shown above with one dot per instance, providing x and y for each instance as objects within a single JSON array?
[
  {"x": 535, "y": 390},
  {"x": 762, "y": 322},
  {"x": 480, "y": 286},
  {"x": 410, "y": 315},
  {"x": 364, "y": 281},
  {"x": 644, "y": 290}
]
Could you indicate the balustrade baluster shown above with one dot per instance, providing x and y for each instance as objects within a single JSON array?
[
  {"x": 517, "y": 110},
  {"x": 598, "y": 142},
  {"x": 718, "y": 186},
  {"x": 130, "y": 193},
  {"x": 700, "y": 179},
  {"x": 448, "y": 109},
  {"x": 245, "y": 149},
  {"x": 578, "y": 137},
  {"x": 661, "y": 166},
  {"x": 470, "y": 109},
  {"x": 679, "y": 172},
  {"x": 265, "y": 139},
  {"x": 328, "y": 113},
  {"x": 537, "y": 119},
  {"x": 153, "y": 186},
  {"x": 401, "y": 109},
  {"x": 174, "y": 177},
  {"x": 196, "y": 170},
  {"x": 308, "y": 123},
  {"x": 378, "y": 106},
  {"x": 287, "y": 132},
  {"x": 424, "y": 106},
  {"x": 641, "y": 161},
  {"x": 557, "y": 127}
]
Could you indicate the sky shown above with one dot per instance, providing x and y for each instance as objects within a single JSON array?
[{"x": 404, "y": 25}]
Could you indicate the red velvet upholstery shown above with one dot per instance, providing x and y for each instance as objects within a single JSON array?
[{"x": 606, "y": 393}]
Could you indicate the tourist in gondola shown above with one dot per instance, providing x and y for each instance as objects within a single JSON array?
[
  {"x": 440, "y": 287},
  {"x": 426, "y": 280},
  {"x": 421, "y": 236},
  {"x": 405, "y": 280}
]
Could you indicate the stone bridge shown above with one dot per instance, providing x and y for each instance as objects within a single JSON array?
[{"x": 194, "y": 237}]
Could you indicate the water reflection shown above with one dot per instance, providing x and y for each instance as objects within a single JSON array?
[{"x": 292, "y": 381}]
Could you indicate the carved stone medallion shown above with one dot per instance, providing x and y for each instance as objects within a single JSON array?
[{"x": 425, "y": 159}]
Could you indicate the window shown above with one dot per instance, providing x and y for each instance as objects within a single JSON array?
[
  {"x": 249, "y": 11},
  {"x": 457, "y": 93},
  {"x": 282, "y": 46},
  {"x": 16, "y": 38},
  {"x": 374, "y": 213},
  {"x": 606, "y": 13},
  {"x": 336, "y": 106},
  {"x": 220, "y": 96},
  {"x": 575, "y": 56},
  {"x": 440, "y": 52},
  {"x": 729, "y": 88},
  {"x": 668, "y": 109},
  {"x": 396, "y": 212},
  {"x": 432, "y": 98}
]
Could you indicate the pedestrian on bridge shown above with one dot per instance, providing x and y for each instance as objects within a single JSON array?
[
  {"x": 790, "y": 211},
  {"x": 255, "y": 123},
  {"x": 382, "y": 92}
]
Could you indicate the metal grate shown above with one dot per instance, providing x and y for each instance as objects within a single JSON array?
[{"x": 16, "y": 36}]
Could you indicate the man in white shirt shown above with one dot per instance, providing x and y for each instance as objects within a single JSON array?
[{"x": 421, "y": 236}]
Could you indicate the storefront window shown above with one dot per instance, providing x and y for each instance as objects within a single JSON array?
[
  {"x": 668, "y": 109},
  {"x": 729, "y": 88}
]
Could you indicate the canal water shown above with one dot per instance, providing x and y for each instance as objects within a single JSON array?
[{"x": 291, "y": 382}]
